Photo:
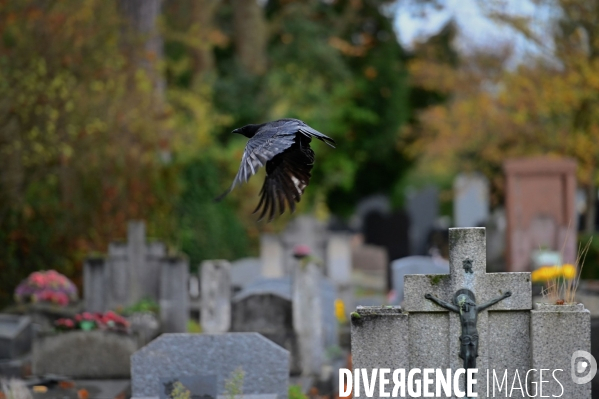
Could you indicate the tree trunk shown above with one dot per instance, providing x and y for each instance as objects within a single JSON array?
[
  {"x": 142, "y": 16},
  {"x": 203, "y": 20},
  {"x": 250, "y": 35}
]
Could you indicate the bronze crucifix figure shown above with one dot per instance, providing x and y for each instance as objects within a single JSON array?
[{"x": 464, "y": 303}]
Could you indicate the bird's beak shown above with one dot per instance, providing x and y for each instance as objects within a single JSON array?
[{"x": 236, "y": 131}]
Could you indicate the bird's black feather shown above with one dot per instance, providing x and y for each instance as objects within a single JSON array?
[{"x": 283, "y": 146}]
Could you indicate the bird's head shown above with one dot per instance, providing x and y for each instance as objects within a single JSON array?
[{"x": 248, "y": 130}]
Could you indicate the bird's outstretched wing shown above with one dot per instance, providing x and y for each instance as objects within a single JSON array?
[
  {"x": 258, "y": 151},
  {"x": 287, "y": 175}
]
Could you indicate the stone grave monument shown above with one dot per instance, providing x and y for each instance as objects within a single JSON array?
[
  {"x": 136, "y": 270},
  {"x": 215, "y": 315},
  {"x": 181, "y": 357},
  {"x": 414, "y": 265},
  {"x": 423, "y": 210},
  {"x": 471, "y": 200},
  {"x": 478, "y": 319},
  {"x": 541, "y": 209}
]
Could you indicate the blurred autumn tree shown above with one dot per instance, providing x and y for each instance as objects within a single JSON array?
[
  {"x": 119, "y": 110},
  {"x": 547, "y": 105},
  {"x": 79, "y": 159}
]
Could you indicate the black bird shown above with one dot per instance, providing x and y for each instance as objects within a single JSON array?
[{"x": 284, "y": 147}]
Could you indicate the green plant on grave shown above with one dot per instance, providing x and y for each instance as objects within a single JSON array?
[
  {"x": 193, "y": 327},
  {"x": 179, "y": 391},
  {"x": 234, "y": 384},
  {"x": 141, "y": 306},
  {"x": 295, "y": 392}
]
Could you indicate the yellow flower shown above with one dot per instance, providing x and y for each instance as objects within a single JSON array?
[
  {"x": 340, "y": 311},
  {"x": 568, "y": 271}
]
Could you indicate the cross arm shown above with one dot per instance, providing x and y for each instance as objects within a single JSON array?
[{"x": 494, "y": 301}]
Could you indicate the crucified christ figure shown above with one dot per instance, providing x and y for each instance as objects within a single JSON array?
[{"x": 464, "y": 303}]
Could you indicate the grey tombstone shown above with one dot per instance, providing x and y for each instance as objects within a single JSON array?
[
  {"x": 339, "y": 266},
  {"x": 215, "y": 315},
  {"x": 174, "y": 298},
  {"x": 245, "y": 271},
  {"x": 268, "y": 307},
  {"x": 429, "y": 335},
  {"x": 559, "y": 334},
  {"x": 265, "y": 307},
  {"x": 504, "y": 329},
  {"x": 423, "y": 209},
  {"x": 303, "y": 230},
  {"x": 95, "y": 284},
  {"x": 471, "y": 200},
  {"x": 307, "y": 316},
  {"x": 271, "y": 256},
  {"x": 139, "y": 270},
  {"x": 414, "y": 265},
  {"x": 265, "y": 364},
  {"x": 83, "y": 354},
  {"x": 16, "y": 335}
]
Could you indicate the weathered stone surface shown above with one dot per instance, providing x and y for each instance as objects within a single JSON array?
[
  {"x": 84, "y": 354},
  {"x": 380, "y": 340},
  {"x": 15, "y": 335},
  {"x": 468, "y": 244},
  {"x": 174, "y": 296},
  {"x": 413, "y": 265},
  {"x": 216, "y": 296},
  {"x": 266, "y": 365},
  {"x": 271, "y": 256},
  {"x": 557, "y": 332},
  {"x": 471, "y": 202},
  {"x": 433, "y": 333}
]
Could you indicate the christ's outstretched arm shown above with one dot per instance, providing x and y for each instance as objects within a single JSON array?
[
  {"x": 493, "y": 301},
  {"x": 444, "y": 304}
]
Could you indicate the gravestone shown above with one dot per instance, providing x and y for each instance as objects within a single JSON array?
[
  {"x": 307, "y": 316},
  {"x": 471, "y": 200},
  {"x": 303, "y": 230},
  {"x": 216, "y": 296},
  {"x": 16, "y": 335},
  {"x": 339, "y": 266},
  {"x": 245, "y": 271},
  {"x": 271, "y": 256},
  {"x": 84, "y": 354},
  {"x": 138, "y": 270},
  {"x": 390, "y": 231},
  {"x": 510, "y": 337},
  {"x": 174, "y": 356},
  {"x": 541, "y": 209},
  {"x": 414, "y": 265},
  {"x": 265, "y": 307},
  {"x": 268, "y": 306},
  {"x": 423, "y": 210},
  {"x": 374, "y": 203},
  {"x": 174, "y": 297},
  {"x": 369, "y": 273}
]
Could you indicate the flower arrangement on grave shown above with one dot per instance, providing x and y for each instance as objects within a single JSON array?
[
  {"x": 549, "y": 273},
  {"x": 86, "y": 321},
  {"x": 46, "y": 286}
]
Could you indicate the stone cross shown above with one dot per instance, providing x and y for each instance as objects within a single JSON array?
[{"x": 503, "y": 336}]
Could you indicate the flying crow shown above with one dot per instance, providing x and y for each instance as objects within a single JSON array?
[{"x": 284, "y": 147}]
